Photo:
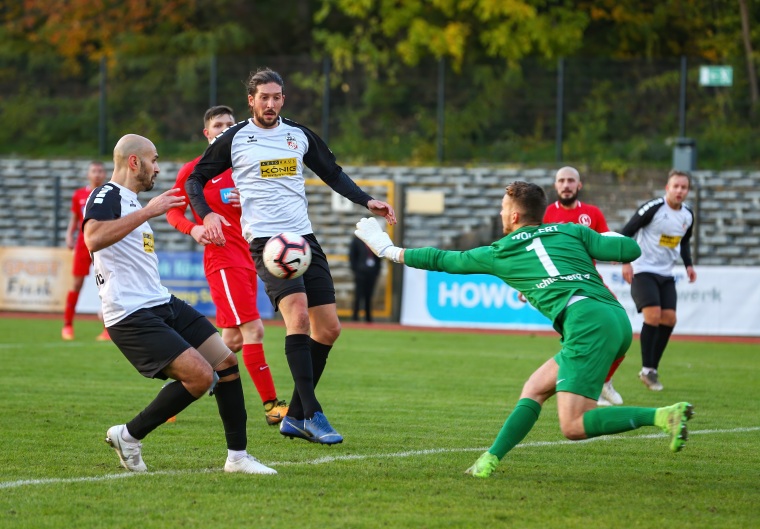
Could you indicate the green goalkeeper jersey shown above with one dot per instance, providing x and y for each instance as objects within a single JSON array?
[{"x": 549, "y": 264}]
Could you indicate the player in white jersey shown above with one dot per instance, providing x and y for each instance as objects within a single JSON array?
[
  {"x": 161, "y": 336},
  {"x": 267, "y": 154},
  {"x": 663, "y": 228}
]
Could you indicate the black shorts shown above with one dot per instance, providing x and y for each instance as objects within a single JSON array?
[
  {"x": 317, "y": 282},
  {"x": 152, "y": 338},
  {"x": 653, "y": 290}
]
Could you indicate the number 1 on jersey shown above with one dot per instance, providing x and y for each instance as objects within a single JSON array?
[{"x": 538, "y": 247}]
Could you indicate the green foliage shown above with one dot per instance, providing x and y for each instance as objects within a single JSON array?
[{"x": 415, "y": 412}]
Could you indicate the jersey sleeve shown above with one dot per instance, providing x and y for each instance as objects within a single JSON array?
[
  {"x": 600, "y": 223},
  {"x": 685, "y": 244},
  {"x": 476, "y": 261},
  {"x": 176, "y": 216},
  {"x": 104, "y": 204},
  {"x": 216, "y": 160},
  {"x": 603, "y": 248},
  {"x": 642, "y": 217}
]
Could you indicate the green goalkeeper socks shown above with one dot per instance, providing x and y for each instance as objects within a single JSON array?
[
  {"x": 605, "y": 421},
  {"x": 516, "y": 427}
]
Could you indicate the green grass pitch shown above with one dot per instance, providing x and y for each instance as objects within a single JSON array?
[{"x": 416, "y": 409}]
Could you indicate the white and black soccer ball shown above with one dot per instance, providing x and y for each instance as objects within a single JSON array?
[{"x": 287, "y": 255}]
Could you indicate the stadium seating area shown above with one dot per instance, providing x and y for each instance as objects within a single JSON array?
[{"x": 35, "y": 198}]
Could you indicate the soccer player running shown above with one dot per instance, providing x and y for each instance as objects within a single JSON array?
[
  {"x": 230, "y": 271},
  {"x": 96, "y": 175},
  {"x": 662, "y": 227},
  {"x": 553, "y": 266},
  {"x": 161, "y": 336},
  {"x": 267, "y": 154},
  {"x": 568, "y": 208}
]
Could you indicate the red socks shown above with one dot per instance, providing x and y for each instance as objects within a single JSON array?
[
  {"x": 71, "y": 305},
  {"x": 256, "y": 364}
]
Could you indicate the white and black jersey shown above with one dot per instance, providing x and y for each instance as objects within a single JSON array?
[
  {"x": 662, "y": 233},
  {"x": 127, "y": 271},
  {"x": 267, "y": 167}
]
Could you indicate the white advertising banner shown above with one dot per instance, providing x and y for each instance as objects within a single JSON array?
[{"x": 724, "y": 301}]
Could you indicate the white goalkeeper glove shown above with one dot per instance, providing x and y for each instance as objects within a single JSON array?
[{"x": 369, "y": 231}]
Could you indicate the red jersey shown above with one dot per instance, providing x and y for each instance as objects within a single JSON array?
[
  {"x": 78, "y": 202},
  {"x": 235, "y": 253},
  {"x": 584, "y": 214}
]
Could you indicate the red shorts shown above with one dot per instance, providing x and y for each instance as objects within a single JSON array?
[
  {"x": 233, "y": 291},
  {"x": 82, "y": 260}
]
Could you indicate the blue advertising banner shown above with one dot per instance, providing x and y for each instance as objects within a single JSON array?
[{"x": 182, "y": 273}]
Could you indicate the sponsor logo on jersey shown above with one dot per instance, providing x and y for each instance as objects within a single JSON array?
[
  {"x": 292, "y": 142},
  {"x": 148, "y": 243},
  {"x": 225, "y": 194},
  {"x": 584, "y": 219},
  {"x": 279, "y": 168},
  {"x": 670, "y": 241},
  {"x": 251, "y": 139}
]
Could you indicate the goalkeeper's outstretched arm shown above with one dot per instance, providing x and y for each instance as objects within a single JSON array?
[{"x": 369, "y": 231}]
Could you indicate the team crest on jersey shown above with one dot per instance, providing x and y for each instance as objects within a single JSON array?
[
  {"x": 584, "y": 219},
  {"x": 148, "y": 243},
  {"x": 292, "y": 142}
]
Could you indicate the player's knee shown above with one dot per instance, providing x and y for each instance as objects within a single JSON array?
[
  {"x": 234, "y": 343},
  {"x": 299, "y": 324},
  {"x": 572, "y": 430},
  {"x": 327, "y": 334}
]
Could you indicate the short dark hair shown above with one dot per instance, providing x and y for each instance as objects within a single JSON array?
[
  {"x": 678, "y": 172},
  {"x": 218, "y": 110},
  {"x": 530, "y": 200},
  {"x": 263, "y": 76}
]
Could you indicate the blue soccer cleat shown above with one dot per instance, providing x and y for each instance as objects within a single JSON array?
[
  {"x": 321, "y": 431},
  {"x": 291, "y": 427}
]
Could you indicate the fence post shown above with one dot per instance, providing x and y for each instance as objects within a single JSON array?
[
  {"x": 57, "y": 200},
  {"x": 560, "y": 107},
  {"x": 441, "y": 104},
  {"x": 682, "y": 100},
  {"x": 326, "y": 100},
  {"x": 212, "y": 80},
  {"x": 102, "y": 123}
]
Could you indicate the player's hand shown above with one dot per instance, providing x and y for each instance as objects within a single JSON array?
[
  {"x": 628, "y": 273},
  {"x": 234, "y": 197},
  {"x": 165, "y": 201},
  {"x": 382, "y": 209},
  {"x": 199, "y": 234},
  {"x": 369, "y": 231},
  {"x": 691, "y": 273},
  {"x": 70, "y": 241},
  {"x": 213, "y": 224}
]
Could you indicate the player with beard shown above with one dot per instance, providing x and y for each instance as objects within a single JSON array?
[{"x": 568, "y": 208}]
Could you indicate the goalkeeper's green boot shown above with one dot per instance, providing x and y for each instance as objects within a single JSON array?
[
  {"x": 672, "y": 420},
  {"x": 483, "y": 467}
]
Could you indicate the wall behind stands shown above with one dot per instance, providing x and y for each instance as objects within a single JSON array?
[{"x": 35, "y": 197}]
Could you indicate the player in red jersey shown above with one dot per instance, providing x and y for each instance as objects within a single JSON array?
[
  {"x": 230, "y": 271},
  {"x": 96, "y": 176},
  {"x": 568, "y": 209}
]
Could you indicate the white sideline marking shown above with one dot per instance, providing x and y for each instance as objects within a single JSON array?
[{"x": 332, "y": 459}]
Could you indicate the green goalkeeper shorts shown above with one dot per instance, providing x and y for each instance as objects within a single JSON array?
[{"x": 594, "y": 334}]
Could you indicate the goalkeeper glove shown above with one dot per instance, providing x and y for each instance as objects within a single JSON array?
[{"x": 369, "y": 231}]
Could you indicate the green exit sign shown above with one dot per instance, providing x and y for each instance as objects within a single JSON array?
[{"x": 716, "y": 76}]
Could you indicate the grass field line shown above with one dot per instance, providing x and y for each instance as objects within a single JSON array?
[{"x": 334, "y": 459}]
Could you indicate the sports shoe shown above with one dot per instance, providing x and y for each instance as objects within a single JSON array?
[
  {"x": 484, "y": 466},
  {"x": 321, "y": 431},
  {"x": 292, "y": 427},
  {"x": 248, "y": 465},
  {"x": 672, "y": 420},
  {"x": 103, "y": 336},
  {"x": 129, "y": 453},
  {"x": 610, "y": 395},
  {"x": 603, "y": 402},
  {"x": 275, "y": 411},
  {"x": 67, "y": 333},
  {"x": 651, "y": 380}
]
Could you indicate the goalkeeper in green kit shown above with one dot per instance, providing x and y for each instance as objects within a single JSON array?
[{"x": 552, "y": 266}]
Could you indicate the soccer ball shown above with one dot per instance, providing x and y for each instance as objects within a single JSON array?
[{"x": 287, "y": 255}]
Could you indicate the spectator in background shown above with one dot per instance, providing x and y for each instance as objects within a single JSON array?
[
  {"x": 662, "y": 227},
  {"x": 230, "y": 266},
  {"x": 366, "y": 268},
  {"x": 96, "y": 175},
  {"x": 568, "y": 208}
]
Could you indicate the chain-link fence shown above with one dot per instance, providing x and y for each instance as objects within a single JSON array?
[{"x": 608, "y": 114}]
